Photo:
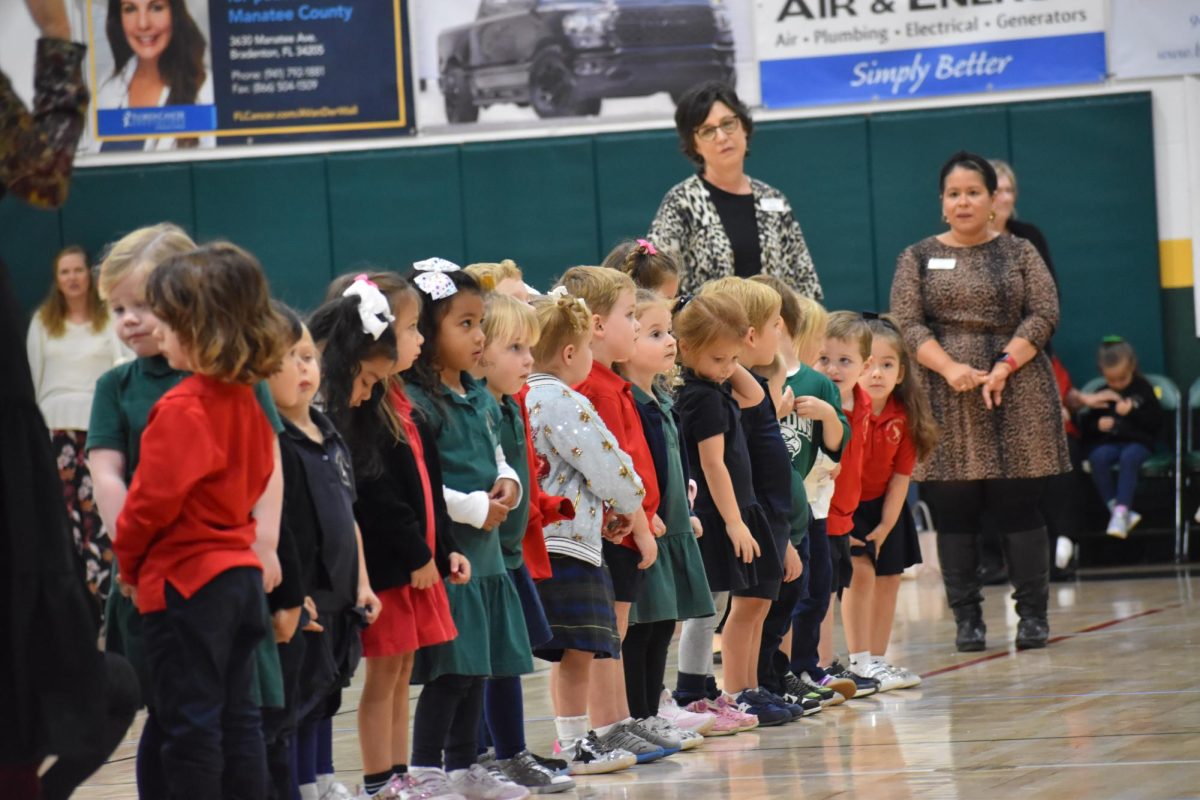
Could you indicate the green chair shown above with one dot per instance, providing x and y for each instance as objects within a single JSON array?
[
  {"x": 1167, "y": 460},
  {"x": 1191, "y": 458}
]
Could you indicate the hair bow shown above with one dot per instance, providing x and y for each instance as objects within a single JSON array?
[
  {"x": 557, "y": 292},
  {"x": 433, "y": 279},
  {"x": 647, "y": 247},
  {"x": 681, "y": 302},
  {"x": 371, "y": 306}
]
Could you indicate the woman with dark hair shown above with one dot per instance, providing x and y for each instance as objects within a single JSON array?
[
  {"x": 977, "y": 307},
  {"x": 71, "y": 343},
  {"x": 158, "y": 60},
  {"x": 721, "y": 221}
]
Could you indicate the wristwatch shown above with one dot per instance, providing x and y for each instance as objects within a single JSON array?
[{"x": 1006, "y": 358}]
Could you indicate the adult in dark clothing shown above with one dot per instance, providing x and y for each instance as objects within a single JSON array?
[{"x": 61, "y": 696}]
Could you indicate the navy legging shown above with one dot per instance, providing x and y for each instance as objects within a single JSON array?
[{"x": 810, "y": 610}]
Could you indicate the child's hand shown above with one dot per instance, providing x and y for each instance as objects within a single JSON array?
[
  {"x": 647, "y": 545},
  {"x": 425, "y": 577},
  {"x": 878, "y": 535},
  {"x": 1105, "y": 424},
  {"x": 693, "y": 489},
  {"x": 744, "y": 546},
  {"x": 497, "y": 513},
  {"x": 368, "y": 600},
  {"x": 814, "y": 408},
  {"x": 507, "y": 491},
  {"x": 837, "y": 470},
  {"x": 460, "y": 569},
  {"x": 786, "y": 402},
  {"x": 313, "y": 626},
  {"x": 127, "y": 589},
  {"x": 272, "y": 572},
  {"x": 697, "y": 527},
  {"x": 617, "y": 526},
  {"x": 658, "y": 526},
  {"x": 793, "y": 567},
  {"x": 1123, "y": 406},
  {"x": 284, "y": 622},
  {"x": 1099, "y": 399}
]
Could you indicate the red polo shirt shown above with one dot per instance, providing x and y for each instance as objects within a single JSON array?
[
  {"x": 612, "y": 396},
  {"x": 890, "y": 450},
  {"x": 847, "y": 487},
  {"x": 206, "y": 458}
]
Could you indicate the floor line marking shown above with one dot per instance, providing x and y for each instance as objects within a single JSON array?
[{"x": 1052, "y": 640}]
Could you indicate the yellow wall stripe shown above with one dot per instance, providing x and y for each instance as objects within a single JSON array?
[{"x": 1175, "y": 263}]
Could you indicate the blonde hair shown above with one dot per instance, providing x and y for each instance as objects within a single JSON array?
[
  {"x": 53, "y": 311},
  {"x": 139, "y": 252},
  {"x": 789, "y": 305},
  {"x": 599, "y": 287},
  {"x": 490, "y": 274},
  {"x": 1003, "y": 168},
  {"x": 645, "y": 264},
  {"x": 709, "y": 318},
  {"x": 810, "y": 328},
  {"x": 562, "y": 320},
  {"x": 647, "y": 299},
  {"x": 507, "y": 319},
  {"x": 760, "y": 301},
  {"x": 850, "y": 327}
]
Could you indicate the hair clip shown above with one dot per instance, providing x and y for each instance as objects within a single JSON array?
[
  {"x": 436, "y": 264},
  {"x": 646, "y": 247},
  {"x": 869, "y": 315},
  {"x": 681, "y": 302},
  {"x": 558, "y": 292},
  {"x": 1113, "y": 339},
  {"x": 372, "y": 304}
]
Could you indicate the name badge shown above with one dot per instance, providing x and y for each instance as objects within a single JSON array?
[
  {"x": 773, "y": 204},
  {"x": 942, "y": 263}
]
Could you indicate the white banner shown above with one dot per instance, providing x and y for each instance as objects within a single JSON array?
[{"x": 1155, "y": 38}]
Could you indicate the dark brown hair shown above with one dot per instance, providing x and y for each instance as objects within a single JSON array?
[
  {"x": 648, "y": 266},
  {"x": 216, "y": 300},
  {"x": 922, "y": 427},
  {"x": 693, "y": 108}
]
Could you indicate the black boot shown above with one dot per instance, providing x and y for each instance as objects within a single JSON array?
[
  {"x": 960, "y": 573},
  {"x": 1028, "y": 554}
]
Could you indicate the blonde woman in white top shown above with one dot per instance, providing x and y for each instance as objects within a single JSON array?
[{"x": 71, "y": 343}]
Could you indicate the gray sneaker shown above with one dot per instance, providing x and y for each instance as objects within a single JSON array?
[
  {"x": 479, "y": 783},
  {"x": 660, "y": 732},
  {"x": 428, "y": 782},
  {"x": 622, "y": 737},
  {"x": 524, "y": 770}
]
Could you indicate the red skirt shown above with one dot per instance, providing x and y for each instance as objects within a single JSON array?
[{"x": 410, "y": 619}]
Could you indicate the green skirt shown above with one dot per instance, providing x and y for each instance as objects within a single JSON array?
[
  {"x": 675, "y": 586},
  {"x": 492, "y": 639},
  {"x": 123, "y": 634}
]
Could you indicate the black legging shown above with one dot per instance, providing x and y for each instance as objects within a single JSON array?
[
  {"x": 447, "y": 720},
  {"x": 644, "y": 658},
  {"x": 1010, "y": 505}
]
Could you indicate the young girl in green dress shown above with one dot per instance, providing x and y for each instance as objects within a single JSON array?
[{"x": 480, "y": 489}]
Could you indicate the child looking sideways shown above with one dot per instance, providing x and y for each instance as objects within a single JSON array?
[{"x": 646, "y": 266}]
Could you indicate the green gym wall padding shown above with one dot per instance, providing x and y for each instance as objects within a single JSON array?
[{"x": 633, "y": 172}]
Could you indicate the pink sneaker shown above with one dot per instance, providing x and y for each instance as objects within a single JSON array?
[
  {"x": 669, "y": 710},
  {"x": 730, "y": 718}
]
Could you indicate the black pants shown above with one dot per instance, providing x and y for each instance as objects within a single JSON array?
[
  {"x": 810, "y": 611},
  {"x": 771, "y": 664},
  {"x": 279, "y": 724},
  {"x": 644, "y": 659},
  {"x": 1005, "y": 505},
  {"x": 201, "y": 655},
  {"x": 122, "y": 699},
  {"x": 447, "y": 721}
]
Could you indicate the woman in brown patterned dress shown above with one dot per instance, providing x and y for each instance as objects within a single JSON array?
[{"x": 977, "y": 307}]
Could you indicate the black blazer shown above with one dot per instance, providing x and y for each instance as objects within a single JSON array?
[{"x": 391, "y": 514}]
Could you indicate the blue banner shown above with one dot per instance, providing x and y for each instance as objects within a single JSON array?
[
  {"x": 930, "y": 71},
  {"x": 156, "y": 121}
]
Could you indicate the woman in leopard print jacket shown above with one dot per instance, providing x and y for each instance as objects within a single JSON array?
[{"x": 721, "y": 221}]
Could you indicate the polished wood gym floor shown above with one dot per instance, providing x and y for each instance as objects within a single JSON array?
[{"x": 1111, "y": 709}]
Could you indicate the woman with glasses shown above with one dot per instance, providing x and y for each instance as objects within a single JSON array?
[{"x": 721, "y": 221}]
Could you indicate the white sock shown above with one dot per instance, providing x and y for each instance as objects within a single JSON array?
[
  {"x": 309, "y": 792},
  {"x": 860, "y": 659},
  {"x": 324, "y": 782},
  {"x": 570, "y": 729},
  {"x": 422, "y": 770},
  {"x": 877, "y": 659}
]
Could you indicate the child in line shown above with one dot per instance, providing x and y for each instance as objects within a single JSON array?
[
  {"x": 503, "y": 277},
  {"x": 511, "y": 330},
  {"x": 772, "y": 481},
  {"x": 1120, "y": 435},
  {"x": 120, "y": 409},
  {"x": 401, "y": 514},
  {"x": 480, "y": 489},
  {"x": 884, "y": 541},
  {"x": 185, "y": 534},
  {"x": 580, "y": 459},
  {"x": 845, "y": 356},
  {"x": 610, "y": 295},
  {"x": 674, "y": 587},
  {"x": 738, "y": 546},
  {"x": 648, "y": 267}
]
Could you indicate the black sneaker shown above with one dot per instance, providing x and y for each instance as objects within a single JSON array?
[
  {"x": 556, "y": 765},
  {"x": 524, "y": 770},
  {"x": 863, "y": 687},
  {"x": 792, "y": 707},
  {"x": 809, "y": 705},
  {"x": 798, "y": 688},
  {"x": 769, "y": 713}
]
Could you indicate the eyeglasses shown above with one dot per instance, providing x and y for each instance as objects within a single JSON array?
[{"x": 728, "y": 126}]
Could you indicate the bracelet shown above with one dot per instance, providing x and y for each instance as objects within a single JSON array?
[{"x": 1006, "y": 358}]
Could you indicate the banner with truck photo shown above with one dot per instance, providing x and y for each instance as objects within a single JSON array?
[
  {"x": 815, "y": 52},
  {"x": 517, "y": 64},
  {"x": 182, "y": 74}
]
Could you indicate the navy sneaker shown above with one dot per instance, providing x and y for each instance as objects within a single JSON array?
[
  {"x": 795, "y": 709},
  {"x": 863, "y": 687},
  {"x": 769, "y": 714}
]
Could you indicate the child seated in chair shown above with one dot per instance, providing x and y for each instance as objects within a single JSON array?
[{"x": 1119, "y": 431}]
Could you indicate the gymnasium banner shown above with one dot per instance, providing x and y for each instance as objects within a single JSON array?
[
  {"x": 1159, "y": 38},
  {"x": 182, "y": 74},
  {"x": 814, "y": 52}
]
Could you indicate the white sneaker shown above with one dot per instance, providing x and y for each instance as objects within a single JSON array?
[
  {"x": 1118, "y": 523},
  {"x": 683, "y": 719},
  {"x": 479, "y": 783},
  {"x": 877, "y": 671},
  {"x": 907, "y": 678},
  {"x": 1064, "y": 548},
  {"x": 429, "y": 782},
  {"x": 338, "y": 791}
]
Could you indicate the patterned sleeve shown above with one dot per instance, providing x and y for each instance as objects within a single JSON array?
[
  {"x": 1039, "y": 313},
  {"x": 593, "y": 450},
  {"x": 670, "y": 226},
  {"x": 802, "y": 275},
  {"x": 907, "y": 305},
  {"x": 38, "y": 149}
]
